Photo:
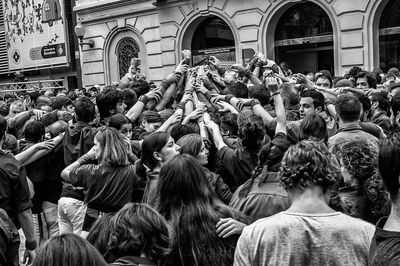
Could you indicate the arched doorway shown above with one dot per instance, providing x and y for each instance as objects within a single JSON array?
[
  {"x": 210, "y": 36},
  {"x": 389, "y": 36},
  {"x": 127, "y": 48},
  {"x": 304, "y": 39}
]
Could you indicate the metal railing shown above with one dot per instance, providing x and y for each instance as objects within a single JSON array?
[{"x": 37, "y": 85}]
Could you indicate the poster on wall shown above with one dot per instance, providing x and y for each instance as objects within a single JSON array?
[
  {"x": 226, "y": 55},
  {"x": 35, "y": 33}
]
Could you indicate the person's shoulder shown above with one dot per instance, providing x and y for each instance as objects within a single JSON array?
[
  {"x": 267, "y": 223},
  {"x": 353, "y": 223},
  {"x": 9, "y": 164}
]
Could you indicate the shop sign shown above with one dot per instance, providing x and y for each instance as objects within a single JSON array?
[
  {"x": 35, "y": 33},
  {"x": 227, "y": 55}
]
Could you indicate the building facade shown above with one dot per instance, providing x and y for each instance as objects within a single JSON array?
[{"x": 309, "y": 35}]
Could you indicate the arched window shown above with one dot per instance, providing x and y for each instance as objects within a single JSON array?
[
  {"x": 304, "y": 38},
  {"x": 389, "y": 36},
  {"x": 127, "y": 48},
  {"x": 213, "y": 37}
]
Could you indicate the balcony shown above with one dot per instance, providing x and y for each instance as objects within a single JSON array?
[{"x": 37, "y": 85}]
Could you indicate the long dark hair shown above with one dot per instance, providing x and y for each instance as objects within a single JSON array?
[
  {"x": 68, "y": 250},
  {"x": 187, "y": 202},
  {"x": 152, "y": 143},
  {"x": 190, "y": 144}
]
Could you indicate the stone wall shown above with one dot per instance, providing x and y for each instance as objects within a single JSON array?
[{"x": 162, "y": 28}]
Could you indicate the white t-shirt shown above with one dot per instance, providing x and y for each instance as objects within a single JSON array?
[{"x": 305, "y": 239}]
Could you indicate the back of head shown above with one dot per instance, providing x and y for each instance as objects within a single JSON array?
[
  {"x": 107, "y": 100},
  {"x": 394, "y": 70},
  {"x": 179, "y": 130},
  {"x": 117, "y": 120},
  {"x": 228, "y": 123},
  {"x": 99, "y": 234},
  {"x": 307, "y": 164},
  {"x": 344, "y": 83},
  {"x": 261, "y": 93},
  {"x": 348, "y": 107},
  {"x": 152, "y": 143},
  {"x": 43, "y": 100},
  {"x": 395, "y": 104},
  {"x": 290, "y": 96},
  {"x": 34, "y": 131},
  {"x": 239, "y": 90},
  {"x": 182, "y": 182},
  {"x": 85, "y": 110},
  {"x": 130, "y": 98},
  {"x": 150, "y": 117},
  {"x": 113, "y": 147},
  {"x": 57, "y": 128},
  {"x": 138, "y": 229},
  {"x": 313, "y": 127},
  {"x": 60, "y": 102},
  {"x": 140, "y": 87},
  {"x": 389, "y": 163},
  {"x": 190, "y": 144},
  {"x": 382, "y": 98},
  {"x": 68, "y": 250}
]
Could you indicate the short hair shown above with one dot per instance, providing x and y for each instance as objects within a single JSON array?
[
  {"x": 364, "y": 100},
  {"x": 85, "y": 110},
  {"x": 228, "y": 122},
  {"x": 99, "y": 234},
  {"x": 239, "y": 89},
  {"x": 261, "y": 93},
  {"x": 137, "y": 228},
  {"x": 34, "y": 131},
  {"x": 360, "y": 159},
  {"x": 318, "y": 98},
  {"x": 107, "y": 100},
  {"x": 150, "y": 117},
  {"x": 382, "y": 98},
  {"x": 251, "y": 134},
  {"x": 389, "y": 163},
  {"x": 140, "y": 87},
  {"x": 179, "y": 130},
  {"x": 313, "y": 127},
  {"x": 93, "y": 88},
  {"x": 348, "y": 107},
  {"x": 113, "y": 147},
  {"x": 57, "y": 127},
  {"x": 68, "y": 250},
  {"x": 395, "y": 104},
  {"x": 394, "y": 70},
  {"x": 190, "y": 144},
  {"x": 117, "y": 120},
  {"x": 369, "y": 77},
  {"x": 60, "y": 102},
  {"x": 307, "y": 164},
  {"x": 354, "y": 71},
  {"x": 130, "y": 98}
]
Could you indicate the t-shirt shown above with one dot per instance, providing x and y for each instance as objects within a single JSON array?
[
  {"x": 385, "y": 246},
  {"x": 290, "y": 238},
  {"x": 108, "y": 188}
]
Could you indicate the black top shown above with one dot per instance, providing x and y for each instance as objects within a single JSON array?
[
  {"x": 14, "y": 191},
  {"x": 385, "y": 246},
  {"x": 108, "y": 188}
]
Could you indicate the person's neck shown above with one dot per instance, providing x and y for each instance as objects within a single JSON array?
[
  {"x": 311, "y": 200},
  {"x": 393, "y": 222},
  {"x": 343, "y": 124}
]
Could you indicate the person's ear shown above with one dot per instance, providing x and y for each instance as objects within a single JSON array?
[
  {"x": 375, "y": 105},
  {"x": 144, "y": 123},
  {"x": 157, "y": 156},
  {"x": 318, "y": 109}
]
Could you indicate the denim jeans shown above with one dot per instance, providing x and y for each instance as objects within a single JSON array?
[{"x": 71, "y": 214}]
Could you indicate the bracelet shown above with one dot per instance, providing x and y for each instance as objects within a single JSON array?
[
  {"x": 30, "y": 245},
  {"x": 275, "y": 93}
]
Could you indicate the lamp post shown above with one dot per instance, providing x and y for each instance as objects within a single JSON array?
[{"x": 80, "y": 32}]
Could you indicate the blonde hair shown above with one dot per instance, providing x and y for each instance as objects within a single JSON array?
[{"x": 113, "y": 147}]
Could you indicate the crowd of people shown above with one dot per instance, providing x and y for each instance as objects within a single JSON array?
[{"x": 238, "y": 165}]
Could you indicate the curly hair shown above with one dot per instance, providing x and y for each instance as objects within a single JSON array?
[
  {"x": 360, "y": 158},
  {"x": 306, "y": 164},
  {"x": 138, "y": 228}
]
